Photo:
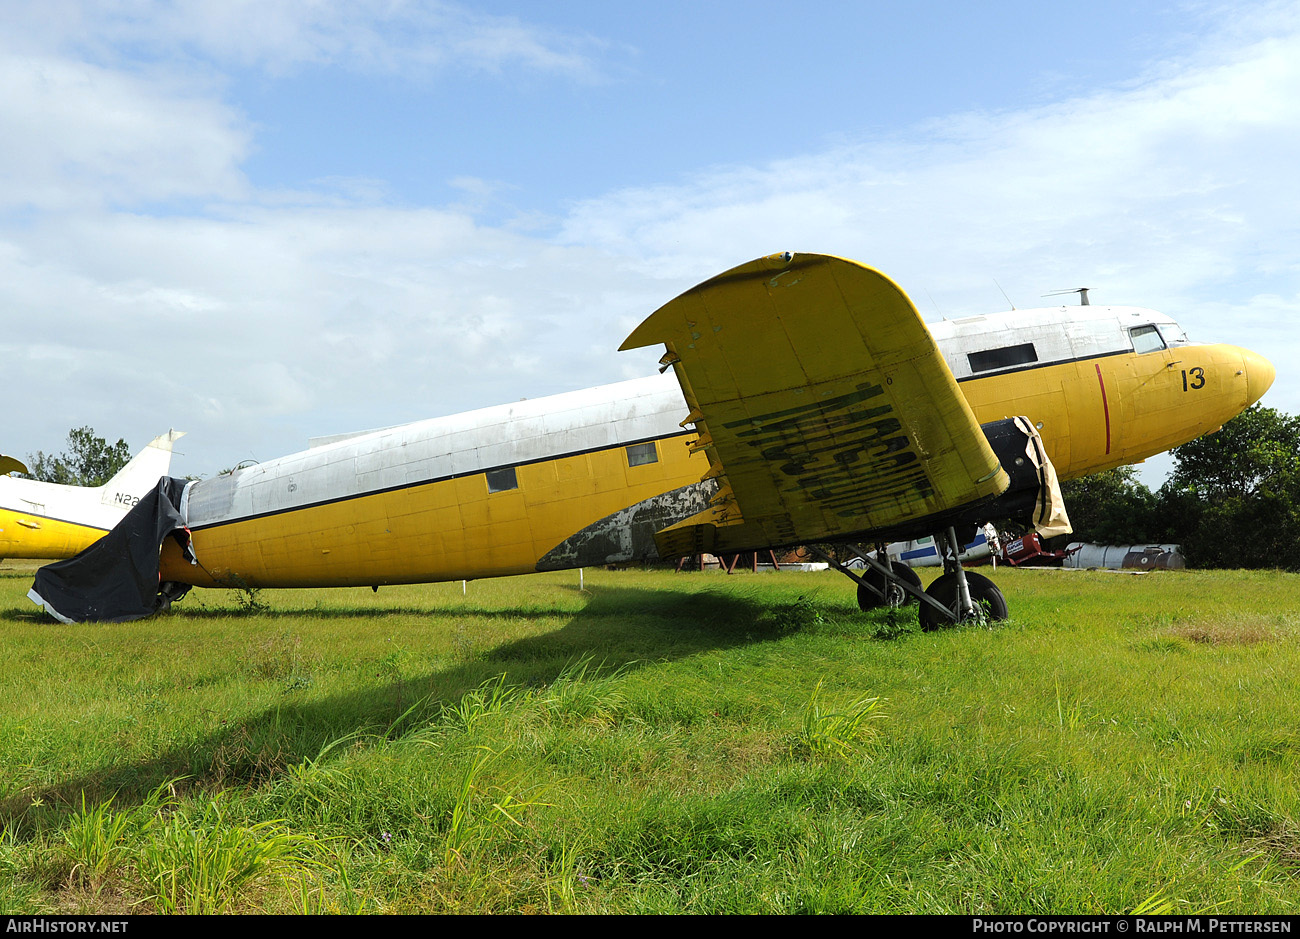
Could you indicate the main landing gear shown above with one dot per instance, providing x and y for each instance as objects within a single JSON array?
[
  {"x": 878, "y": 590},
  {"x": 955, "y": 596}
]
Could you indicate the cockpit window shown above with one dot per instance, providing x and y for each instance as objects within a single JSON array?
[
  {"x": 1173, "y": 333},
  {"x": 1146, "y": 339}
]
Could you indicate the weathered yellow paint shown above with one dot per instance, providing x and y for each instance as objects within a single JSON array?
[
  {"x": 826, "y": 404},
  {"x": 1145, "y": 408},
  {"x": 447, "y": 530},
  {"x": 35, "y": 536},
  {"x": 1093, "y": 414}
]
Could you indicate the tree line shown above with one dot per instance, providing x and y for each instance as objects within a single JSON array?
[
  {"x": 89, "y": 460},
  {"x": 1232, "y": 500}
]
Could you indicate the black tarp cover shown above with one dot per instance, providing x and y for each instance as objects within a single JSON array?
[{"x": 116, "y": 578}]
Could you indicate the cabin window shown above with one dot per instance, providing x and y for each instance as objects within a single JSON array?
[
  {"x": 1005, "y": 357},
  {"x": 639, "y": 454},
  {"x": 502, "y": 480},
  {"x": 1146, "y": 339}
]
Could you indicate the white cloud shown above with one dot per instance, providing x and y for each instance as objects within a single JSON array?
[
  {"x": 275, "y": 317},
  {"x": 1169, "y": 183},
  {"x": 80, "y": 135},
  {"x": 1178, "y": 192},
  {"x": 328, "y": 319},
  {"x": 372, "y": 36}
]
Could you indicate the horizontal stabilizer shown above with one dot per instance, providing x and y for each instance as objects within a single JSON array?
[{"x": 9, "y": 465}]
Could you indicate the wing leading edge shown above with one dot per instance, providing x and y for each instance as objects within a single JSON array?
[{"x": 824, "y": 406}]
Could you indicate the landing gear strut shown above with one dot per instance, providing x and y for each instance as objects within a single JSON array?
[
  {"x": 959, "y": 596},
  {"x": 954, "y": 597},
  {"x": 878, "y": 585},
  {"x": 881, "y": 590},
  {"x": 882, "y": 583}
]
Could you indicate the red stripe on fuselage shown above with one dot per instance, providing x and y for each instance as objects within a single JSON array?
[{"x": 1105, "y": 408}]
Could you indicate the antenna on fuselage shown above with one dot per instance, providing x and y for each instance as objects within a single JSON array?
[
  {"x": 1004, "y": 294},
  {"x": 1081, "y": 291},
  {"x": 933, "y": 304}
]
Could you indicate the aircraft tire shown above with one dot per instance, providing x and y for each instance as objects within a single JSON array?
[
  {"x": 868, "y": 601},
  {"x": 944, "y": 589},
  {"x": 904, "y": 572}
]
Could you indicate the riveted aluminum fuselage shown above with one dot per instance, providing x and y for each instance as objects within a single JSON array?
[{"x": 581, "y": 478}]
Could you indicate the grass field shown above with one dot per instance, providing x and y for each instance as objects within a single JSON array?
[{"x": 658, "y": 743}]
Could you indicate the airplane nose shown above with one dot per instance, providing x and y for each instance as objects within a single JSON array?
[{"x": 1259, "y": 375}]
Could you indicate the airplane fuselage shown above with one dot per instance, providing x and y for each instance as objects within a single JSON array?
[
  {"x": 41, "y": 520},
  {"x": 1108, "y": 386},
  {"x": 585, "y": 478},
  {"x": 49, "y": 521}
]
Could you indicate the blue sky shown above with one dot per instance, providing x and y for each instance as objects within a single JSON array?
[
  {"x": 663, "y": 90},
  {"x": 264, "y": 221}
]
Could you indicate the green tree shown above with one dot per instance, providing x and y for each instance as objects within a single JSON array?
[
  {"x": 1113, "y": 507},
  {"x": 88, "y": 461},
  {"x": 1253, "y": 452},
  {"x": 1237, "y": 493}
]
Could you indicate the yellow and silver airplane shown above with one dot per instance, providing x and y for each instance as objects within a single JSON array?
[
  {"x": 49, "y": 521},
  {"x": 808, "y": 404}
]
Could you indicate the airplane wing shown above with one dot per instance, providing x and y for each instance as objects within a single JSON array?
[
  {"x": 9, "y": 465},
  {"x": 824, "y": 406}
]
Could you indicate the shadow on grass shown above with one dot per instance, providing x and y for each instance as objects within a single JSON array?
[{"x": 619, "y": 628}]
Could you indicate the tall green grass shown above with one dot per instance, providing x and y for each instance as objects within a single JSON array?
[{"x": 658, "y": 743}]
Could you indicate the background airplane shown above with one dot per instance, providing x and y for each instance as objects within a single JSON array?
[
  {"x": 45, "y": 520},
  {"x": 808, "y": 404},
  {"x": 924, "y": 552}
]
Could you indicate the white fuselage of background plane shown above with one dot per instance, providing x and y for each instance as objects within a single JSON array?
[{"x": 49, "y": 521}]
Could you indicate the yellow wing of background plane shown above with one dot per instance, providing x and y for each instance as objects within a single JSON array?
[
  {"x": 823, "y": 403},
  {"x": 10, "y": 464}
]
